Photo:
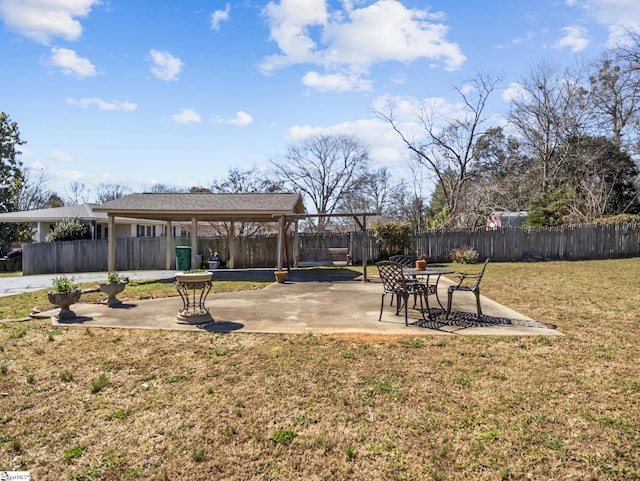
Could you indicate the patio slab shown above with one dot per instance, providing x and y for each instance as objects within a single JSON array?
[{"x": 303, "y": 306}]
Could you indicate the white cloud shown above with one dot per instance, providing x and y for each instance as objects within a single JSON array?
[
  {"x": 165, "y": 66},
  {"x": 527, "y": 38},
  {"x": 36, "y": 167},
  {"x": 62, "y": 157},
  {"x": 43, "y": 19},
  {"x": 386, "y": 148},
  {"x": 71, "y": 64},
  {"x": 220, "y": 16},
  {"x": 102, "y": 105},
  {"x": 186, "y": 116},
  {"x": 617, "y": 15},
  {"x": 335, "y": 82},
  {"x": 353, "y": 39},
  {"x": 575, "y": 38},
  {"x": 241, "y": 119},
  {"x": 515, "y": 91}
]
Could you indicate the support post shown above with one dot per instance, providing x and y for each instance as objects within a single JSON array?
[
  {"x": 194, "y": 242},
  {"x": 363, "y": 227},
  {"x": 296, "y": 244},
  {"x": 232, "y": 244},
  {"x": 168, "y": 244},
  {"x": 280, "y": 241},
  {"x": 364, "y": 248},
  {"x": 111, "y": 243}
]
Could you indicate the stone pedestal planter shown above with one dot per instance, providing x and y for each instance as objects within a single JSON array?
[
  {"x": 112, "y": 290},
  {"x": 63, "y": 300}
]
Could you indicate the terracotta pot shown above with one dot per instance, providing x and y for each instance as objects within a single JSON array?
[
  {"x": 281, "y": 276},
  {"x": 421, "y": 265}
]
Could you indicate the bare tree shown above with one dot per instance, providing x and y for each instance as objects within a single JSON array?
[
  {"x": 323, "y": 169},
  {"x": 550, "y": 108},
  {"x": 164, "y": 188},
  {"x": 249, "y": 180},
  {"x": 446, "y": 146},
  {"x": 78, "y": 193},
  {"x": 244, "y": 181},
  {"x": 615, "y": 98},
  {"x": 107, "y": 192},
  {"x": 32, "y": 191}
]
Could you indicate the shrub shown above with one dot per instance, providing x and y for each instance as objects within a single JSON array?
[
  {"x": 392, "y": 237},
  {"x": 68, "y": 230},
  {"x": 463, "y": 255},
  {"x": 632, "y": 219}
]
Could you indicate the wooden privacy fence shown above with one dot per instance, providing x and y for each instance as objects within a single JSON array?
[
  {"x": 509, "y": 244},
  {"x": 548, "y": 243}
]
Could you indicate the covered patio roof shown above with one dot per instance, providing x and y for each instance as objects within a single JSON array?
[
  {"x": 195, "y": 207},
  {"x": 204, "y": 206}
]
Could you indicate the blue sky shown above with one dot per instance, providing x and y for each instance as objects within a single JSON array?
[{"x": 138, "y": 92}]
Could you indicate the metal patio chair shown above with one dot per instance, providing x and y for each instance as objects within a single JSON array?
[
  {"x": 394, "y": 282},
  {"x": 406, "y": 261},
  {"x": 462, "y": 287}
]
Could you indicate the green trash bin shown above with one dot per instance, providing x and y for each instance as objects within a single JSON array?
[{"x": 183, "y": 258}]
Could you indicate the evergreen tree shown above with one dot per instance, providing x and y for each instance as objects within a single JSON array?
[{"x": 11, "y": 178}]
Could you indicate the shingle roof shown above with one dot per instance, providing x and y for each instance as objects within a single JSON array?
[
  {"x": 84, "y": 212},
  {"x": 54, "y": 214},
  {"x": 204, "y": 206}
]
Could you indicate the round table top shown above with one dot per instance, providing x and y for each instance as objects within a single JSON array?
[{"x": 428, "y": 272}]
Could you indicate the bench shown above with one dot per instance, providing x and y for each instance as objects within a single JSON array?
[{"x": 317, "y": 256}]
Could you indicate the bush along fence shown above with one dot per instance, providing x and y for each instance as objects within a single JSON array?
[{"x": 503, "y": 245}]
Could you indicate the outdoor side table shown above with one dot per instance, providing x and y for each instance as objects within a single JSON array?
[
  {"x": 437, "y": 273},
  {"x": 194, "y": 287}
]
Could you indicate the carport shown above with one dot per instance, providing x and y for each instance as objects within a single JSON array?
[{"x": 196, "y": 207}]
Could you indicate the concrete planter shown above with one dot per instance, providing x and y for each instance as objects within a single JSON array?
[
  {"x": 63, "y": 300},
  {"x": 112, "y": 290}
]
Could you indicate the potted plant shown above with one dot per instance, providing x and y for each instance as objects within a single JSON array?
[
  {"x": 64, "y": 293},
  {"x": 214, "y": 260},
  {"x": 421, "y": 262},
  {"x": 115, "y": 285}
]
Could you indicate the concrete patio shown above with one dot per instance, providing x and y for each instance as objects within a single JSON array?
[{"x": 307, "y": 305}]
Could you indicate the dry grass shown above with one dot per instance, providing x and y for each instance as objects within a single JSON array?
[{"x": 83, "y": 404}]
